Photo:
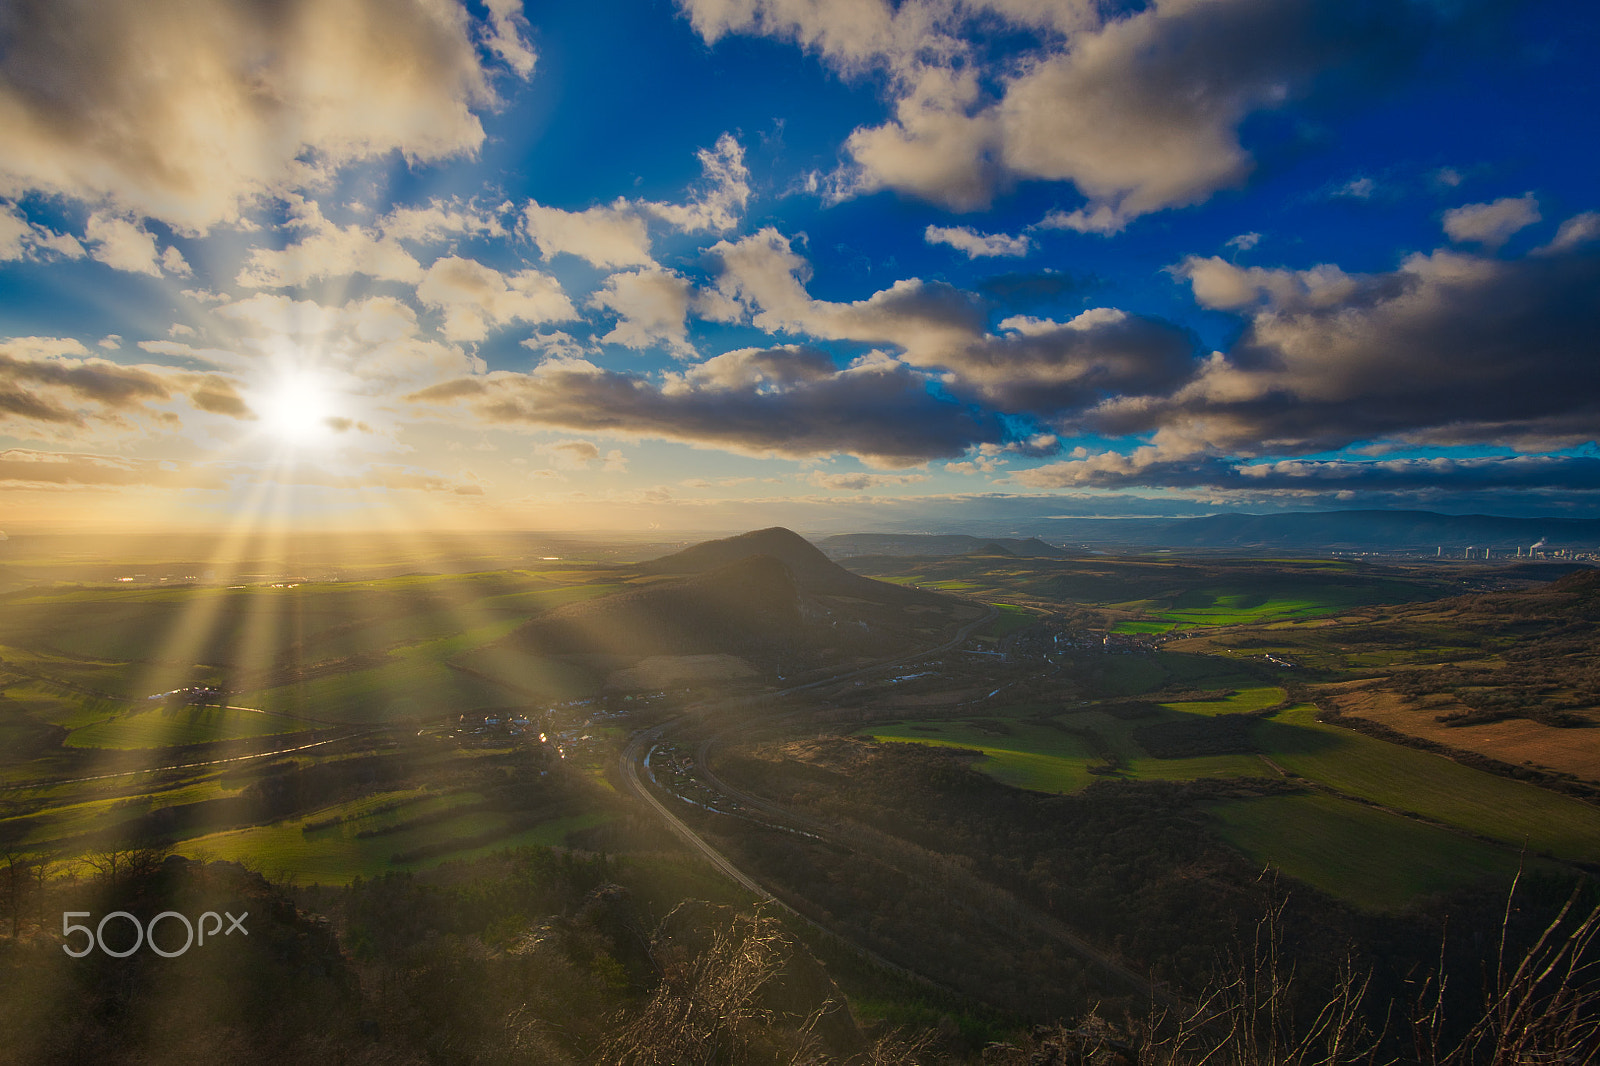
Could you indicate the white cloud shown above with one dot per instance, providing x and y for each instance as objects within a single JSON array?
[
  {"x": 328, "y": 251},
  {"x": 558, "y": 344},
  {"x": 188, "y": 110},
  {"x": 441, "y": 219},
  {"x": 975, "y": 244},
  {"x": 1244, "y": 241},
  {"x": 124, "y": 245},
  {"x": 859, "y": 482},
  {"x": 1103, "y": 219},
  {"x": 1357, "y": 189},
  {"x": 1575, "y": 232},
  {"x": 372, "y": 344},
  {"x": 476, "y": 298},
  {"x": 569, "y": 454},
  {"x": 1220, "y": 284},
  {"x": 1140, "y": 110},
  {"x": 607, "y": 236},
  {"x": 651, "y": 306},
  {"x": 935, "y": 149},
  {"x": 1491, "y": 224},
  {"x": 618, "y": 234},
  {"x": 173, "y": 262},
  {"x": 21, "y": 239},
  {"x": 718, "y": 205},
  {"x": 506, "y": 35}
]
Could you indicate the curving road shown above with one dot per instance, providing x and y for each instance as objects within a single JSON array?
[{"x": 642, "y": 742}]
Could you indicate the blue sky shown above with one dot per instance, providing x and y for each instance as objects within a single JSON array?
[{"x": 832, "y": 263}]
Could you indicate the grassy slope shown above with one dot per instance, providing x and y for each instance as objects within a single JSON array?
[
  {"x": 159, "y": 727},
  {"x": 335, "y": 855},
  {"x": 1430, "y": 785},
  {"x": 1370, "y": 857}
]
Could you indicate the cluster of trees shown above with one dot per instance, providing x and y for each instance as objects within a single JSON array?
[
  {"x": 1134, "y": 867},
  {"x": 556, "y": 957},
  {"x": 531, "y": 956}
]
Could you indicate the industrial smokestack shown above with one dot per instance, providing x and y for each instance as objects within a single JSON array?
[{"x": 1538, "y": 544}]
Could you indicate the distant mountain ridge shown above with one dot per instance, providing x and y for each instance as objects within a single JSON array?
[
  {"x": 1304, "y": 530},
  {"x": 846, "y": 545},
  {"x": 1345, "y": 529}
]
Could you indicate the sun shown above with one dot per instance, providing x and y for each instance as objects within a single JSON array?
[{"x": 297, "y": 408}]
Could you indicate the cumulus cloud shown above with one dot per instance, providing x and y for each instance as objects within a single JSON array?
[
  {"x": 476, "y": 298},
  {"x": 719, "y": 202},
  {"x": 935, "y": 148},
  {"x": 580, "y": 455},
  {"x": 764, "y": 274},
  {"x": 22, "y": 239},
  {"x": 23, "y": 468},
  {"x": 441, "y": 219},
  {"x": 559, "y": 344},
  {"x": 782, "y": 403},
  {"x": 1139, "y": 109},
  {"x": 52, "y": 387},
  {"x": 1055, "y": 369},
  {"x": 1491, "y": 224},
  {"x": 188, "y": 110},
  {"x": 1034, "y": 365},
  {"x": 975, "y": 244},
  {"x": 1145, "y": 467},
  {"x": 618, "y": 234},
  {"x": 570, "y": 454},
  {"x": 1222, "y": 285},
  {"x": 124, "y": 245},
  {"x": 506, "y": 35},
  {"x": 372, "y": 346},
  {"x": 608, "y": 236},
  {"x": 1448, "y": 349},
  {"x": 756, "y": 370},
  {"x": 1575, "y": 232},
  {"x": 327, "y": 250},
  {"x": 860, "y": 482},
  {"x": 652, "y": 307}
]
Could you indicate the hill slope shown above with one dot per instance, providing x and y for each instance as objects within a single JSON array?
[
  {"x": 814, "y": 573},
  {"x": 750, "y": 606}
]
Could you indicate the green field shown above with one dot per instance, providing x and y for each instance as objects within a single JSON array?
[
  {"x": 1296, "y": 597},
  {"x": 335, "y": 855},
  {"x": 1045, "y": 758},
  {"x": 1170, "y": 591},
  {"x": 1377, "y": 860},
  {"x": 1243, "y": 701},
  {"x": 1144, "y": 627},
  {"x": 159, "y": 727},
  {"x": 1430, "y": 785},
  {"x": 1012, "y": 618},
  {"x": 82, "y": 809}
]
